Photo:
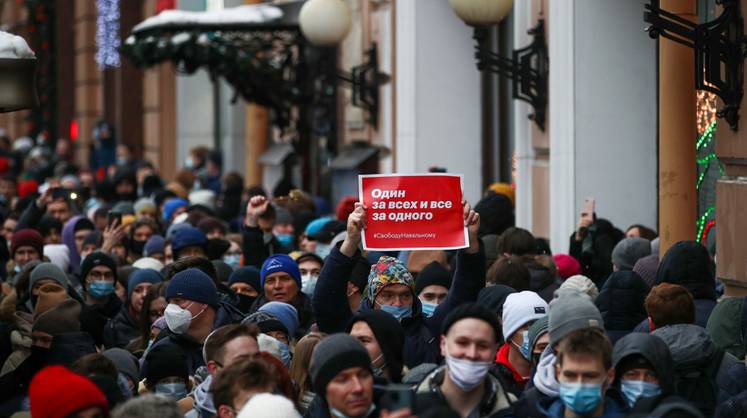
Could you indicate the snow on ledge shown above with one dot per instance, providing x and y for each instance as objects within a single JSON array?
[
  {"x": 257, "y": 14},
  {"x": 15, "y": 47}
]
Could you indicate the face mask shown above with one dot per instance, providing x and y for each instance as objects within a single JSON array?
[
  {"x": 232, "y": 260},
  {"x": 122, "y": 161},
  {"x": 633, "y": 390},
  {"x": 174, "y": 390},
  {"x": 308, "y": 283},
  {"x": 137, "y": 246},
  {"x": 285, "y": 356},
  {"x": 286, "y": 240},
  {"x": 178, "y": 319},
  {"x": 189, "y": 163},
  {"x": 17, "y": 268},
  {"x": 267, "y": 237},
  {"x": 467, "y": 374},
  {"x": 525, "y": 346},
  {"x": 428, "y": 308},
  {"x": 323, "y": 250},
  {"x": 100, "y": 289},
  {"x": 581, "y": 398},
  {"x": 245, "y": 302},
  {"x": 378, "y": 365},
  {"x": 398, "y": 312}
]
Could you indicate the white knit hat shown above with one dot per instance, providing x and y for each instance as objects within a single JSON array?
[
  {"x": 520, "y": 309},
  {"x": 583, "y": 284},
  {"x": 267, "y": 405},
  {"x": 148, "y": 263},
  {"x": 59, "y": 255}
]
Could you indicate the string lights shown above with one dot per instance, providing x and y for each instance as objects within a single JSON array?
[{"x": 706, "y": 120}]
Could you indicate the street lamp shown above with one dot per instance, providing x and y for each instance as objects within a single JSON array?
[
  {"x": 720, "y": 48},
  {"x": 528, "y": 67},
  {"x": 325, "y": 23}
]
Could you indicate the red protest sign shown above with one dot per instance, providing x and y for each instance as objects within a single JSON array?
[{"x": 413, "y": 212}]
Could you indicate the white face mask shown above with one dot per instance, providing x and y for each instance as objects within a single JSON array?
[
  {"x": 178, "y": 319},
  {"x": 467, "y": 374},
  {"x": 308, "y": 283}
]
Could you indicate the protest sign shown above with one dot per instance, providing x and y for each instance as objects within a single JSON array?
[{"x": 413, "y": 212}]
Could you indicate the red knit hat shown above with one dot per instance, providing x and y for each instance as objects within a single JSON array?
[
  {"x": 27, "y": 187},
  {"x": 56, "y": 392},
  {"x": 27, "y": 237},
  {"x": 567, "y": 265},
  {"x": 346, "y": 207}
]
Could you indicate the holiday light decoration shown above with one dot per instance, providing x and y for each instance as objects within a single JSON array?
[
  {"x": 107, "y": 34},
  {"x": 706, "y": 160}
]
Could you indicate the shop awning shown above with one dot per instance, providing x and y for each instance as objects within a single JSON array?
[{"x": 255, "y": 48}]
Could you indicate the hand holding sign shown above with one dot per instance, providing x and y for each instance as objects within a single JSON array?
[
  {"x": 472, "y": 222},
  {"x": 356, "y": 224},
  {"x": 420, "y": 211}
]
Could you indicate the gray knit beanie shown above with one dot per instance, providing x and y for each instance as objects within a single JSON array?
[
  {"x": 630, "y": 250},
  {"x": 47, "y": 271},
  {"x": 334, "y": 354},
  {"x": 569, "y": 311},
  {"x": 536, "y": 330}
]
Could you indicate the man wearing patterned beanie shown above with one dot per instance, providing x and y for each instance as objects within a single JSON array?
[
  {"x": 391, "y": 288},
  {"x": 192, "y": 314}
]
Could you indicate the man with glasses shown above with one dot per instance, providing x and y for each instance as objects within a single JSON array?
[
  {"x": 223, "y": 347},
  {"x": 98, "y": 273}
]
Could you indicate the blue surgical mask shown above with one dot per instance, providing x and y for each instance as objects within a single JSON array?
[
  {"x": 100, "y": 289},
  {"x": 232, "y": 260},
  {"x": 175, "y": 390},
  {"x": 397, "y": 312},
  {"x": 285, "y": 355},
  {"x": 286, "y": 240},
  {"x": 428, "y": 308},
  {"x": 633, "y": 390},
  {"x": 323, "y": 250},
  {"x": 581, "y": 398},
  {"x": 525, "y": 346}
]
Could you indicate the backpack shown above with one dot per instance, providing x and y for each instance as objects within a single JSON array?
[{"x": 698, "y": 384}]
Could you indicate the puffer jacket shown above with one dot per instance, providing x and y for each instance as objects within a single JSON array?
[
  {"x": 495, "y": 402},
  {"x": 622, "y": 303},
  {"x": 203, "y": 406},
  {"x": 20, "y": 340},
  {"x": 120, "y": 330},
  {"x": 421, "y": 334}
]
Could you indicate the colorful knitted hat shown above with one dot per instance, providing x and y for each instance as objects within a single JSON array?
[{"x": 387, "y": 271}]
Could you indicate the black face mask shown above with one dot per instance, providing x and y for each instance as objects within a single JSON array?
[
  {"x": 245, "y": 302},
  {"x": 536, "y": 358},
  {"x": 136, "y": 247}
]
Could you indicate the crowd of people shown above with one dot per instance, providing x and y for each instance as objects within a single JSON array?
[{"x": 127, "y": 295}]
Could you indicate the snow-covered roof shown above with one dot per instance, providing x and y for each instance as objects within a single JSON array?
[
  {"x": 241, "y": 15},
  {"x": 13, "y": 46}
]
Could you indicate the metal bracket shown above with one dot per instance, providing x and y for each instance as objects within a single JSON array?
[
  {"x": 719, "y": 47},
  {"x": 528, "y": 68},
  {"x": 365, "y": 81}
]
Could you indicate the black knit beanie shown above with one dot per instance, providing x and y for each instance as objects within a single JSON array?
[{"x": 332, "y": 355}]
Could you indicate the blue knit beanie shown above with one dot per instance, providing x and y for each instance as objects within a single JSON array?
[
  {"x": 142, "y": 276},
  {"x": 193, "y": 284},
  {"x": 285, "y": 313},
  {"x": 156, "y": 244},
  {"x": 279, "y": 263},
  {"x": 171, "y": 206},
  {"x": 188, "y": 237}
]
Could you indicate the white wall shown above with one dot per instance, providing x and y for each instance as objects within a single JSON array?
[
  {"x": 615, "y": 111},
  {"x": 438, "y": 93}
]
